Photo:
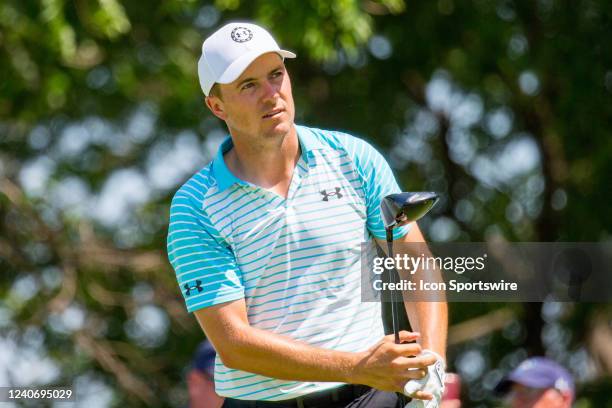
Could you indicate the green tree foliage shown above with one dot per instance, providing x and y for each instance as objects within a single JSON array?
[{"x": 501, "y": 106}]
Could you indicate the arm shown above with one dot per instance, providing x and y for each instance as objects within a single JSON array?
[
  {"x": 428, "y": 318},
  {"x": 241, "y": 346}
]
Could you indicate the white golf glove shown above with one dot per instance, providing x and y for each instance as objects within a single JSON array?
[{"x": 433, "y": 383}]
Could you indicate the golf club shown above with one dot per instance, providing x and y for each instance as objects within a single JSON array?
[{"x": 398, "y": 210}]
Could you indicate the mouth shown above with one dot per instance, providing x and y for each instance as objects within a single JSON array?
[{"x": 273, "y": 113}]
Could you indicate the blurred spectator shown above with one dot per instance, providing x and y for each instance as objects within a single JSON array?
[
  {"x": 200, "y": 379},
  {"x": 452, "y": 391},
  {"x": 538, "y": 382}
]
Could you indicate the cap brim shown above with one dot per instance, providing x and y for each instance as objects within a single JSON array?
[
  {"x": 237, "y": 67},
  {"x": 531, "y": 381}
]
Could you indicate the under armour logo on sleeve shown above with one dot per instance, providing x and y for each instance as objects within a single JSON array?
[
  {"x": 197, "y": 286},
  {"x": 326, "y": 195}
]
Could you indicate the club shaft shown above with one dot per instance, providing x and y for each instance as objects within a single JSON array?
[{"x": 394, "y": 311}]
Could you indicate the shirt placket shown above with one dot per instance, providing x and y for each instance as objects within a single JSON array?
[{"x": 299, "y": 174}]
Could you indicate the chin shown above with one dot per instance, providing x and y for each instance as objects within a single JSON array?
[{"x": 279, "y": 129}]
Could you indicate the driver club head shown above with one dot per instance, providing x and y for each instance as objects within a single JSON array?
[{"x": 403, "y": 208}]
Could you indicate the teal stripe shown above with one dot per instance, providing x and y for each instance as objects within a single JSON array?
[
  {"x": 254, "y": 220},
  {"x": 220, "y": 205},
  {"x": 324, "y": 341},
  {"x": 283, "y": 307},
  {"x": 319, "y": 199},
  {"x": 246, "y": 385},
  {"x": 318, "y": 210},
  {"x": 250, "y": 212},
  {"x": 206, "y": 278},
  {"x": 288, "y": 243},
  {"x": 270, "y": 397},
  {"x": 293, "y": 224},
  {"x": 267, "y": 255},
  {"x": 336, "y": 216},
  {"x": 259, "y": 240},
  {"x": 284, "y": 289},
  {"x": 259, "y": 194},
  {"x": 287, "y": 322},
  {"x": 191, "y": 191},
  {"x": 256, "y": 217},
  {"x": 307, "y": 257},
  {"x": 284, "y": 270},
  {"x": 192, "y": 307},
  {"x": 323, "y": 176},
  {"x": 299, "y": 241},
  {"x": 327, "y": 181},
  {"x": 313, "y": 247},
  {"x": 205, "y": 296},
  {"x": 230, "y": 190},
  {"x": 199, "y": 265},
  {"x": 228, "y": 372},
  {"x": 301, "y": 293},
  {"x": 304, "y": 267},
  {"x": 205, "y": 273},
  {"x": 260, "y": 391}
]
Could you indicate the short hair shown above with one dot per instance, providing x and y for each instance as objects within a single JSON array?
[{"x": 215, "y": 91}]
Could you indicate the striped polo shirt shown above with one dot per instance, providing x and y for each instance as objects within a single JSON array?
[{"x": 295, "y": 261}]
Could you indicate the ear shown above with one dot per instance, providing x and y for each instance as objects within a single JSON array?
[
  {"x": 567, "y": 397},
  {"x": 216, "y": 106}
]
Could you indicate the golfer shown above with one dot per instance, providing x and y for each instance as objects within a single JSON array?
[{"x": 266, "y": 242}]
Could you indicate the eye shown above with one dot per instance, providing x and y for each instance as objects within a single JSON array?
[
  {"x": 247, "y": 86},
  {"x": 277, "y": 74}
]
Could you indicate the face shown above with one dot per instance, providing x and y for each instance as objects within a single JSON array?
[
  {"x": 258, "y": 106},
  {"x": 526, "y": 397}
]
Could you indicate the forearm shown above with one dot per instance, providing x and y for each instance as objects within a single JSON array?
[
  {"x": 427, "y": 310},
  {"x": 265, "y": 353},
  {"x": 385, "y": 365},
  {"x": 431, "y": 320}
]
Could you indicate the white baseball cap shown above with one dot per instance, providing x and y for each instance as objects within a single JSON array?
[{"x": 230, "y": 50}]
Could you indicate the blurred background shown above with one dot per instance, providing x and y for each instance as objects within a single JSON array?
[{"x": 504, "y": 107}]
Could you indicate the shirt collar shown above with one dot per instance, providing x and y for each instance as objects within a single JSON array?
[
  {"x": 308, "y": 143},
  {"x": 225, "y": 178}
]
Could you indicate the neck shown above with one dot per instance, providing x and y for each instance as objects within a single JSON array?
[{"x": 267, "y": 163}]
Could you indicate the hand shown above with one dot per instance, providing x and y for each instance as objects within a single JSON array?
[
  {"x": 432, "y": 384},
  {"x": 388, "y": 366}
]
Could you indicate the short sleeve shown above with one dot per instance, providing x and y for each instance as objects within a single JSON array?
[
  {"x": 204, "y": 264},
  {"x": 378, "y": 180}
]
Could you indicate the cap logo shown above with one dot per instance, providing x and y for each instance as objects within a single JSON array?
[
  {"x": 241, "y": 34},
  {"x": 561, "y": 384}
]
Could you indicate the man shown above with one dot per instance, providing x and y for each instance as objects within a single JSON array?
[
  {"x": 200, "y": 378},
  {"x": 538, "y": 382},
  {"x": 266, "y": 242},
  {"x": 452, "y": 391}
]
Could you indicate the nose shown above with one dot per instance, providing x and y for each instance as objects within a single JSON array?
[{"x": 269, "y": 90}]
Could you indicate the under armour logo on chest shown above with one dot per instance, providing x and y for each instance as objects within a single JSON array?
[
  {"x": 335, "y": 193},
  {"x": 189, "y": 289}
]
